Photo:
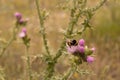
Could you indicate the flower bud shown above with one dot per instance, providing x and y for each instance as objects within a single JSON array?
[
  {"x": 23, "y": 22},
  {"x": 24, "y": 30},
  {"x": 23, "y": 33},
  {"x": 18, "y": 15},
  {"x": 81, "y": 49},
  {"x": 92, "y": 49},
  {"x": 90, "y": 59},
  {"x": 81, "y": 42}
]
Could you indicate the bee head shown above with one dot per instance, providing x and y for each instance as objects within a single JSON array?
[{"x": 72, "y": 42}]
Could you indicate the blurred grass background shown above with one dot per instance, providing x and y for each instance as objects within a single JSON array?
[{"x": 105, "y": 37}]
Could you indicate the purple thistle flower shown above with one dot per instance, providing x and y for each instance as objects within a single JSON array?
[
  {"x": 23, "y": 33},
  {"x": 90, "y": 59},
  {"x": 24, "y": 30},
  {"x": 81, "y": 49},
  {"x": 18, "y": 15},
  {"x": 81, "y": 42},
  {"x": 72, "y": 49}
]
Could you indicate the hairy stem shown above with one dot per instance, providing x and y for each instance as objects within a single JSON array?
[
  {"x": 69, "y": 73},
  {"x": 69, "y": 32},
  {"x": 10, "y": 41},
  {"x": 28, "y": 64},
  {"x": 41, "y": 20},
  {"x": 99, "y": 5}
]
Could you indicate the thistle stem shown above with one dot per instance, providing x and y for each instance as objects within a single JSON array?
[
  {"x": 69, "y": 73},
  {"x": 41, "y": 21},
  {"x": 99, "y": 5},
  {"x": 28, "y": 64},
  {"x": 10, "y": 41}
]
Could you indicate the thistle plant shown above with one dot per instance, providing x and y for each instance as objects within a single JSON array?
[
  {"x": 19, "y": 22},
  {"x": 26, "y": 41},
  {"x": 78, "y": 10},
  {"x": 79, "y": 22},
  {"x": 81, "y": 51}
]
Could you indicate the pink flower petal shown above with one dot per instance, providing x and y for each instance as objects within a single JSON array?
[
  {"x": 72, "y": 49},
  {"x": 81, "y": 49},
  {"x": 22, "y": 35}
]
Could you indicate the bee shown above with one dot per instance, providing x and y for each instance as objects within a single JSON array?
[{"x": 71, "y": 43}]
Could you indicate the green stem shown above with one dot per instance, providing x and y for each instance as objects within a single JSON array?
[
  {"x": 99, "y": 5},
  {"x": 72, "y": 23},
  {"x": 28, "y": 64},
  {"x": 69, "y": 73},
  {"x": 41, "y": 21},
  {"x": 69, "y": 32},
  {"x": 10, "y": 41},
  {"x": 49, "y": 71}
]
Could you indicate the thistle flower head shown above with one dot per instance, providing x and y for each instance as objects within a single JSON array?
[
  {"x": 90, "y": 59},
  {"x": 81, "y": 42},
  {"x": 18, "y": 15},
  {"x": 72, "y": 49},
  {"x": 24, "y": 30},
  {"x": 23, "y": 33},
  {"x": 20, "y": 20},
  {"x": 81, "y": 49}
]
